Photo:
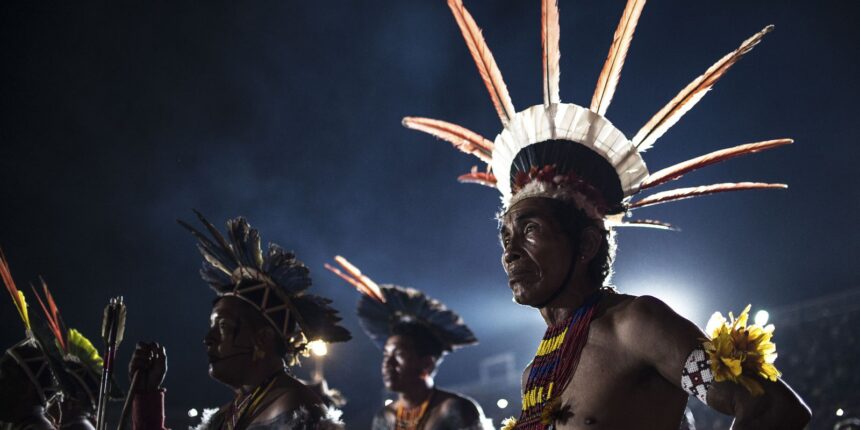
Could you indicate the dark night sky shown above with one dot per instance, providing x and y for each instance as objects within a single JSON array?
[{"x": 119, "y": 118}]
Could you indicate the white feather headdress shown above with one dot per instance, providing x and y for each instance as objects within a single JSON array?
[{"x": 575, "y": 153}]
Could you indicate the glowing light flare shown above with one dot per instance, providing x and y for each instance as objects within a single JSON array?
[
  {"x": 318, "y": 348},
  {"x": 192, "y": 413},
  {"x": 502, "y": 403},
  {"x": 840, "y": 412},
  {"x": 761, "y": 317}
]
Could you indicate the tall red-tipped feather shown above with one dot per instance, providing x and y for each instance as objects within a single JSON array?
[
  {"x": 691, "y": 94},
  {"x": 686, "y": 193},
  {"x": 51, "y": 314},
  {"x": 611, "y": 73},
  {"x": 550, "y": 32},
  {"x": 462, "y": 138},
  {"x": 487, "y": 67},
  {"x": 17, "y": 295},
  {"x": 374, "y": 289},
  {"x": 674, "y": 172},
  {"x": 355, "y": 283}
]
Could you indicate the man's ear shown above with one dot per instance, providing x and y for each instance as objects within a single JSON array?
[
  {"x": 590, "y": 239},
  {"x": 428, "y": 365}
]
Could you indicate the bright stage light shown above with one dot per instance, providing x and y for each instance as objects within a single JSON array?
[
  {"x": 388, "y": 402},
  {"x": 502, "y": 403},
  {"x": 318, "y": 348},
  {"x": 192, "y": 413},
  {"x": 840, "y": 412},
  {"x": 761, "y": 317}
]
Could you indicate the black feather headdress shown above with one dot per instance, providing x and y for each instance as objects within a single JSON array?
[
  {"x": 383, "y": 307},
  {"x": 274, "y": 282}
]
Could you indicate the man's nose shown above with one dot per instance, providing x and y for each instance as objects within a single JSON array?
[
  {"x": 511, "y": 252},
  {"x": 209, "y": 339}
]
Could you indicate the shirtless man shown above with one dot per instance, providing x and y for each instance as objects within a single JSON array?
[
  {"x": 414, "y": 332},
  {"x": 409, "y": 361},
  {"x": 629, "y": 372},
  {"x": 567, "y": 178},
  {"x": 261, "y": 322}
]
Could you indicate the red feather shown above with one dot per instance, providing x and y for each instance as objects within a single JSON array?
[
  {"x": 686, "y": 193},
  {"x": 462, "y": 138},
  {"x": 487, "y": 67},
  {"x": 674, "y": 172}
]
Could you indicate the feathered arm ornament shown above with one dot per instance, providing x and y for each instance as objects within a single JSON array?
[
  {"x": 741, "y": 353},
  {"x": 686, "y": 193},
  {"x": 691, "y": 94},
  {"x": 17, "y": 296},
  {"x": 550, "y": 32},
  {"x": 674, "y": 172},
  {"x": 487, "y": 67},
  {"x": 462, "y": 138},
  {"x": 611, "y": 73}
]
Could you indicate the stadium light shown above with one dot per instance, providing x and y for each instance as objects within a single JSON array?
[
  {"x": 318, "y": 348},
  {"x": 761, "y": 317},
  {"x": 502, "y": 403},
  {"x": 192, "y": 413}
]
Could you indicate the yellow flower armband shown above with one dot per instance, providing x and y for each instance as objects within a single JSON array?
[{"x": 738, "y": 353}]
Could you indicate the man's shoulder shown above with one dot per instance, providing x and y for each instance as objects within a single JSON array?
[
  {"x": 626, "y": 309},
  {"x": 457, "y": 401}
]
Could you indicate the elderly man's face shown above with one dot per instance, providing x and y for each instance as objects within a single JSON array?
[{"x": 537, "y": 253}]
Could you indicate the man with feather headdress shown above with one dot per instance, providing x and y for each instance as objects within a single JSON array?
[
  {"x": 73, "y": 363},
  {"x": 567, "y": 176},
  {"x": 27, "y": 384},
  {"x": 260, "y": 323},
  {"x": 414, "y": 333}
]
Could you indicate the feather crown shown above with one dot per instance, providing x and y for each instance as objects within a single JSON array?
[
  {"x": 274, "y": 282},
  {"x": 592, "y": 163},
  {"x": 384, "y": 307},
  {"x": 28, "y": 354}
]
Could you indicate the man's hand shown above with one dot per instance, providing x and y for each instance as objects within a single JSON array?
[{"x": 149, "y": 361}]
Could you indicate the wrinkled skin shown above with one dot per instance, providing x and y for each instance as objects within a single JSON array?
[{"x": 538, "y": 256}]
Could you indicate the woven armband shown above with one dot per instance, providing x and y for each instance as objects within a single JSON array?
[{"x": 696, "y": 377}]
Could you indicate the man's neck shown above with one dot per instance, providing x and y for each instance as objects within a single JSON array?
[
  {"x": 417, "y": 394},
  {"x": 260, "y": 376},
  {"x": 568, "y": 301}
]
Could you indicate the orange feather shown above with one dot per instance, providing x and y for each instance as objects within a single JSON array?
[
  {"x": 686, "y": 193},
  {"x": 611, "y": 73},
  {"x": 487, "y": 67},
  {"x": 550, "y": 32},
  {"x": 691, "y": 94},
  {"x": 462, "y": 138},
  {"x": 674, "y": 172}
]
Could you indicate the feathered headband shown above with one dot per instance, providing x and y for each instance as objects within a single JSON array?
[
  {"x": 568, "y": 152},
  {"x": 274, "y": 283},
  {"x": 28, "y": 353},
  {"x": 78, "y": 364},
  {"x": 382, "y": 307}
]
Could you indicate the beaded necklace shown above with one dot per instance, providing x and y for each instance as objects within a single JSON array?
[
  {"x": 245, "y": 406},
  {"x": 554, "y": 363},
  {"x": 410, "y": 418}
]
